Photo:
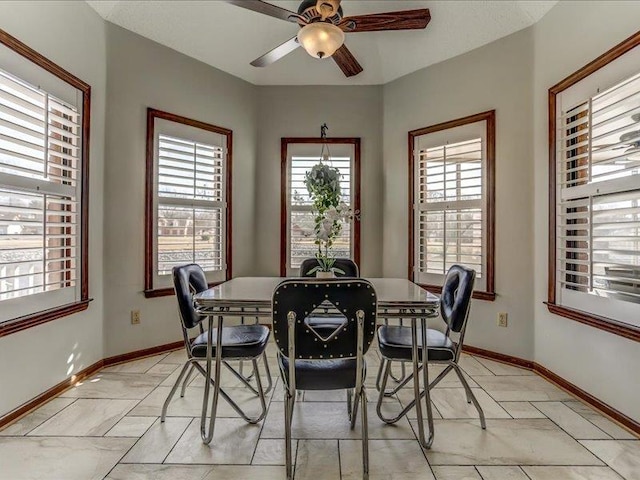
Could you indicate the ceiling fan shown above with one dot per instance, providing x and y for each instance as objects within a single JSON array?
[
  {"x": 632, "y": 138},
  {"x": 322, "y": 29}
]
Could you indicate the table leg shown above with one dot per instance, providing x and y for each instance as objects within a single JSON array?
[
  {"x": 416, "y": 380},
  {"x": 424, "y": 442},
  {"x": 427, "y": 387},
  {"x": 208, "y": 436}
]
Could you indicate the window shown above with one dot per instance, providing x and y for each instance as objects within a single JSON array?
[
  {"x": 596, "y": 198},
  {"x": 43, "y": 189},
  {"x": 451, "y": 201},
  {"x": 188, "y": 206},
  {"x": 297, "y": 235}
]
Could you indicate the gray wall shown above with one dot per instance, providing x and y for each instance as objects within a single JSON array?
[
  {"x": 299, "y": 112},
  {"x": 145, "y": 74},
  {"x": 497, "y": 76},
  {"x": 571, "y": 35},
  {"x": 34, "y": 360}
]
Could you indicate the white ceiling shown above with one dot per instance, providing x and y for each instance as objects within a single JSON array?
[{"x": 229, "y": 37}]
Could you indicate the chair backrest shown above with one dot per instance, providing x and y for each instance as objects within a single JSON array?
[
  {"x": 456, "y": 297},
  {"x": 301, "y": 296},
  {"x": 347, "y": 265},
  {"x": 188, "y": 280}
]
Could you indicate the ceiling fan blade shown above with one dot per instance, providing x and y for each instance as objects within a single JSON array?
[
  {"x": 266, "y": 9},
  {"x": 347, "y": 62},
  {"x": 404, "y": 20},
  {"x": 277, "y": 53}
]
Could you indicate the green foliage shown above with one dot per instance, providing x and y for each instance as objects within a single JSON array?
[{"x": 323, "y": 184}]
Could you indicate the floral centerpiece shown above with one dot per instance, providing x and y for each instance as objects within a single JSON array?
[{"x": 323, "y": 184}]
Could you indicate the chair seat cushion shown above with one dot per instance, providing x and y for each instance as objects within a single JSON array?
[
  {"x": 238, "y": 341},
  {"x": 325, "y": 325},
  {"x": 395, "y": 344},
  {"x": 322, "y": 374},
  {"x": 327, "y": 321}
]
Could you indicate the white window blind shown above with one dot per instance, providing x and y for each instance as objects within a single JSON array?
[
  {"x": 191, "y": 205},
  {"x": 40, "y": 185},
  {"x": 301, "y": 220},
  {"x": 598, "y": 187},
  {"x": 449, "y": 209}
]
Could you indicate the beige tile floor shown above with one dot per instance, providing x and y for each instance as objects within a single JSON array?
[{"x": 108, "y": 427}]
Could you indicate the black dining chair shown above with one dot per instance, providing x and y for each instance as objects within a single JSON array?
[
  {"x": 326, "y": 320},
  {"x": 346, "y": 265},
  {"x": 312, "y": 359},
  {"x": 395, "y": 344},
  {"x": 239, "y": 342}
]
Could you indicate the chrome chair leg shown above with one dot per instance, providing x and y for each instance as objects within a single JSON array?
[
  {"x": 240, "y": 369},
  {"x": 349, "y": 402},
  {"x": 246, "y": 380},
  {"x": 470, "y": 394},
  {"x": 412, "y": 403},
  {"x": 234, "y": 405},
  {"x": 263, "y": 401},
  {"x": 418, "y": 366},
  {"x": 379, "y": 375},
  {"x": 406, "y": 379},
  {"x": 403, "y": 370},
  {"x": 208, "y": 436},
  {"x": 186, "y": 381},
  {"x": 385, "y": 379},
  {"x": 173, "y": 390},
  {"x": 403, "y": 375},
  {"x": 240, "y": 377},
  {"x": 440, "y": 376},
  {"x": 365, "y": 435},
  {"x": 354, "y": 411},
  {"x": 265, "y": 360},
  {"x": 288, "y": 417}
]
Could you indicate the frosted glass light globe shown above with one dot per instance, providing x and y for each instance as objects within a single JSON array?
[{"x": 321, "y": 39}]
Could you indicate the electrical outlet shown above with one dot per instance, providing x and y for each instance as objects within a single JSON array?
[
  {"x": 502, "y": 319},
  {"x": 135, "y": 317}
]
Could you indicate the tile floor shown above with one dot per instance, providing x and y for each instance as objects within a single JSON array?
[{"x": 108, "y": 427}]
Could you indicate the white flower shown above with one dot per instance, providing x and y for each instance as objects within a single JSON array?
[
  {"x": 323, "y": 235},
  {"x": 332, "y": 214}
]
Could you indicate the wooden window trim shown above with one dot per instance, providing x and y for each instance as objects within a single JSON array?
[
  {"x": 602, "y": 323},
  {"x": 38, "y": 318},
  {"x": 490, "y": 118},
  {"x": 152, "y": 115},
  {"x": 284, "y": 145}
]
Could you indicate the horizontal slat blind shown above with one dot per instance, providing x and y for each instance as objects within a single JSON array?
[
  {"x": 39, "y": 190},
  {"x": 449, "y": 207},
  {"x": 191, "y": 205},
  {"x": 575, "y": 259},
  {"x": 599, "y": 212},
  {"x": 616, "y": 245},
  {"x": 302, "y": 221}
]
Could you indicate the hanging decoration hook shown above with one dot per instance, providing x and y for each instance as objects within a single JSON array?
[{"x": 324, "y": 155}]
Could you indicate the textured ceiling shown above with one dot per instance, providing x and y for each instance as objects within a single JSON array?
[{"x": 228, "y": 37}]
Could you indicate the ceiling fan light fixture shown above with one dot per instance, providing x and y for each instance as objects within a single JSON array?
[{"x": 320, "y": 39}]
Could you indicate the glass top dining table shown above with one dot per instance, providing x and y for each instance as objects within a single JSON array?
[
  {"x": 397, "y": 297},
  {"x": 252, "y": 296}
]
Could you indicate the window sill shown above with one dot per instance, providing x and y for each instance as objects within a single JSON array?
[
  {"x": 169, "y": 291},
  {"x": 477, "y": 294},
  {"x": 159, "y": 292},
  {"x": 596, "y": 321},
  {"x": 38, "y": 318}
]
